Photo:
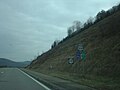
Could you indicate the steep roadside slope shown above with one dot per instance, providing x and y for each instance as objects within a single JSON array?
[{"x": 101, "y": 43}]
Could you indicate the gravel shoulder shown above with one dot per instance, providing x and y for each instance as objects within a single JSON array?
[{"x": 56, "y": 83}]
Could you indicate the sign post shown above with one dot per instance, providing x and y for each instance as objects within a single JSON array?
[
  {"x": 81, "y": 55},
  {"x": 81, "y": 52}
]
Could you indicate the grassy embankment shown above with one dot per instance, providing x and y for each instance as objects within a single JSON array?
[{"x": 102, "y": 66}]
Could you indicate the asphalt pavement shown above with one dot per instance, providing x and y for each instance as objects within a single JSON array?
[{"x": 15, "y": 79}]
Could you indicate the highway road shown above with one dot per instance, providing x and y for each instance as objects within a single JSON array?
[{"x": 15, "y": 79}]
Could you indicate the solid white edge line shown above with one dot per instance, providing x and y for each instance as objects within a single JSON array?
[{"x": 35, "y": 80}]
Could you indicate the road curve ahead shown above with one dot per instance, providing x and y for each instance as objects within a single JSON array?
[{"x": 15, "y": 79}]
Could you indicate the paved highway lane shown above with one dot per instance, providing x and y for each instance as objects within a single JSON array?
[{"x": 14, "y": 79}]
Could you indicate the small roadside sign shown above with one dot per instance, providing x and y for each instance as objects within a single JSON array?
[
  {"x": 80, "y": 47},
  {"x": 70, "y": 60}
]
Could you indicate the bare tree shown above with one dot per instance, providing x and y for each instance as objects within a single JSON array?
[
  {"x": 70, "y": 30},
  {"x": 90, "y": 21},
  {"x": 77, "y": 25},
  {"x": 55, "y": 43}
]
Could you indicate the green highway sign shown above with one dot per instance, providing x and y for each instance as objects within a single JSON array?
[{"x": 83, "y": 55}]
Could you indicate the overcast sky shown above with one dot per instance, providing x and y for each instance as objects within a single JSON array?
[{"x": 29, "y": 27}]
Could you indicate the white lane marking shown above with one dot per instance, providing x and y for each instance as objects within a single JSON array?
[{"x": 35, "y": 80}]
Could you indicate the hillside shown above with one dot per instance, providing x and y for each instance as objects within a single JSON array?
[
  {"x": 102, "y": 46},
  {"x": 9, "y": 63}
]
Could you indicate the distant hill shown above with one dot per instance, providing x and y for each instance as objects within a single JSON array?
[{"x": 9, "y": 63}]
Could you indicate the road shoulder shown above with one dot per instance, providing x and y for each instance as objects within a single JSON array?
[{"x": 55, "y": 83}]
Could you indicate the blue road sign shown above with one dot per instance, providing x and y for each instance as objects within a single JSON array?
[{"x": 78, "y": 54}]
